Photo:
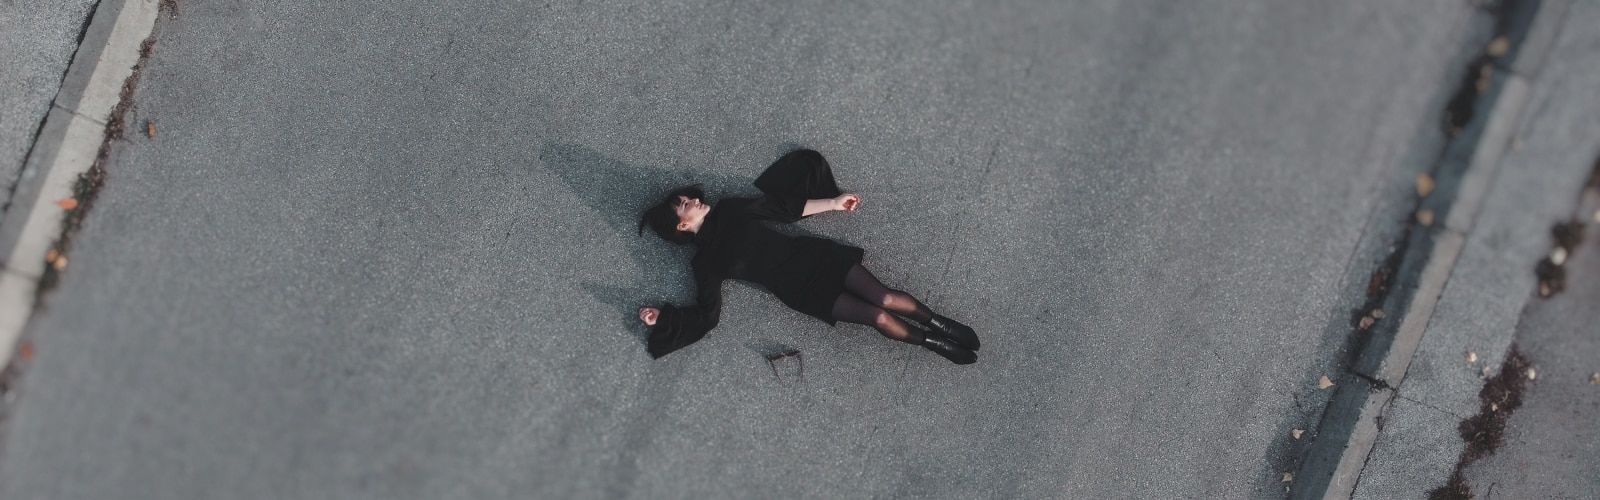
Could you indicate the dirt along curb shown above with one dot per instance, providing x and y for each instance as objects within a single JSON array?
[
  {"x": 1482, "y": 118},
  {"x": 57, "y": 181}
]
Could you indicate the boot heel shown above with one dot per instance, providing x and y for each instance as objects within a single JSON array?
[
  {"x": 954, "y": 330},
  {"x": 950, "y": 350}
]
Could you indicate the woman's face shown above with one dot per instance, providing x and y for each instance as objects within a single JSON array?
[{"x": 690, "y": 212}]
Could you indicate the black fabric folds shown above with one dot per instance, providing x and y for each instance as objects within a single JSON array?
[{"x": 803, "y": 173}]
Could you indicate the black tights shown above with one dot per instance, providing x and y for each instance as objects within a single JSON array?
[{"x": 868, "y": 302}]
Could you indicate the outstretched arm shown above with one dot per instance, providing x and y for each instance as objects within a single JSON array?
[
  {"x": 846, "y": 202},
  {"x": 673, "y": 328}
]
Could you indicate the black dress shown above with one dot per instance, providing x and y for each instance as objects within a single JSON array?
[{"x": 804, "y": 272}]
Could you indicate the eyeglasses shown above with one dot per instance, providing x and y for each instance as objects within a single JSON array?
[{"x": 800, "y": 362}]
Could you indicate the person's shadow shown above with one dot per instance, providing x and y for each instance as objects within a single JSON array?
[{"x": 620, "y": 193}]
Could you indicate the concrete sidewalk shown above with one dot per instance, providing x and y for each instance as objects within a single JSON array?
[
  {"x": 1551, "y": 155},
  {"x": 1552, "y": 445}
]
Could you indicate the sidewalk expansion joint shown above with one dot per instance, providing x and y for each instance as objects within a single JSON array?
[
  {"x": 1431, "y": 407},
  {"x": 1485, "y": 432},
  {"x": 74, "y": 112}
]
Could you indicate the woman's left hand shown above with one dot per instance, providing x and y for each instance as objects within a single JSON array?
[{"x": 847, "y": 202}]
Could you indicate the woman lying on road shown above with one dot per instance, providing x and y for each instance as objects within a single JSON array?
[{"x": 812, "y": 275}]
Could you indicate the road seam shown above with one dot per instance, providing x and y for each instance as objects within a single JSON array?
[{"x": 66, "y": 147}]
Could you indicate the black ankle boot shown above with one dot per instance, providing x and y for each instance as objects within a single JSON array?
[
  {"x": 950, "y": 350},
  {"x": 954, "y": 330}
]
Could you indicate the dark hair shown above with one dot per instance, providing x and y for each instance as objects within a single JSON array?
[{"x": 664, "y": 220}]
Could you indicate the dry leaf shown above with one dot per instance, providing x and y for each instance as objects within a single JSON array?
[
  {"x": 1544, "y": 290},
  {"x": 1595, "y": 379},
  {"x": 1499, "y": 46},
  {"x": 1366, "y": 322},
  {"x": 1558, "y": 256},
  {"x": 1324, "y": 383},
  {"x": 51, "y": 254},
  {"x": 1494, "y": 406},
  {"x": 1425, "y": 217},
  {"x": 1377, "y": 314},
  {"x": 67, "y": 203},
  {"x": 1472, "y": 357},
  {"x": 1287, "y": 477},
  {"x": 1424, "y": 184},
  {"x": 1296, "y": 433},
  {"x": 61, "y": 262},
  {"x": 150, "y": 129},
  {"x": 1486, "y": 372},
  {"x": 1532, "y": 374}
]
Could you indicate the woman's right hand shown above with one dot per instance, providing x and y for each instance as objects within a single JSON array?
[
  {"x": 847, "y": 202},
  {"x": 648, "y": 315}
]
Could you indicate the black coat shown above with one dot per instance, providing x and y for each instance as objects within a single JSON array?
[{"x": 806, "y": 273}]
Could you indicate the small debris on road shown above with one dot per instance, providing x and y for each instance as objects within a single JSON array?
[
  {"x": 1532, "y": 374},
  {"x": 1568, "y": 235},
  {"x": 1498, "y": 46},
  {"x": 1594, "y": 379},
  {"x": 1424, "y": 184},
  {"x": 1366, "y": 322},
  {"x": 1552, "y": 277},
  {"x": 1425, "y": 217},
  {"x": 1375, "y": 285},
  {"x": 1377, "y": 314},
  {"x": 1558, "y": 256},
  {"x": 1324, "y": 383},
  {"x": 67, "y": 203},
  {"x": 150, "y": 129},
  {"x": 1287, "y": 477},
  {"x": 1296, "y": 433},
  {"x": 1472, "y": 357}
]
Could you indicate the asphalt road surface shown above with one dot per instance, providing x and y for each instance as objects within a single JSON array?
[{"x": 387, "y": 250}]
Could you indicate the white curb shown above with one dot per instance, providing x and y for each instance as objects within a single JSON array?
[
  {"x": 66, "y": 147},
  {"x": 1478, "y": 177}
]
